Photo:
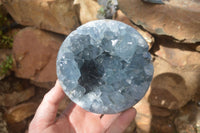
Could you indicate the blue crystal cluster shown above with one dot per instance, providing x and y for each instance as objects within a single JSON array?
[{"x": 104, "y": 66}]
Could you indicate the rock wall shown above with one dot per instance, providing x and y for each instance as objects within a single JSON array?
[{"x": 172, "y": 31}]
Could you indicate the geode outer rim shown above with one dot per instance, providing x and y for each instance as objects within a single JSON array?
[{"x": 80, "y": 103}]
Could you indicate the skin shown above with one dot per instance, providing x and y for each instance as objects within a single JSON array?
[{"x": 75, "y": 119}]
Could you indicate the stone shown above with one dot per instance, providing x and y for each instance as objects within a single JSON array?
[
  {"x": 144, "y": 114},
  {"x": 54, "y": 15},
  {"x": 21, "y": 112},
  {"x": 34, "y": 53},
  {"x": 188, "y": 119},
  {"x": 198, "y": 48},
  {"x": 151, "y": 118},
  {"x": 108, "y": 9},
  {"x": 18, "y": 127},
  {"x": 102, "y": 59},
  {"x": 196, "y": 98},
  {"x": 12, "y": 84},
  {"x": 161, "y": 112},
  {"x": 5, "y": 86},
  {"x": 88, "y": 10},
  {"x": 173, "y": 87},
  {"x": 46, "y": 85},
  {"x": 162, "y": 125},
  {"x": 14, "y": 98},
  {"x": 40, "y": 95},
  {"x": 3, "y": 124},
  {"x": 120, "y": 16},
  {"x": 179, "y": 19},
  {"x": 182, "y": 56},
  {"x": 177, "y": 54}
]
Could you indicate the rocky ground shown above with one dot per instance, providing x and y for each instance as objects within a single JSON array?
[{"x": 32, "y": 39}]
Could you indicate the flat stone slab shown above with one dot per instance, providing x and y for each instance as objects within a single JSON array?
[
  {"x": 104, "y": 66},
  {"x": 176, "y": 18}
]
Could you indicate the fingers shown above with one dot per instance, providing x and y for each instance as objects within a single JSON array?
[
  {"x": 46, "y": 112},
  {"x": 73, "y": 108},
  {"x": 82, "y": 120},
  {"x": 122, "y": 122},
  {"x": 66, "y": 113},
  {"x": 107, "y": 120},
  {"x": 76, "y": 112}
]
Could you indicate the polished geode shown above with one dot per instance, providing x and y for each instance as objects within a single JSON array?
[{"x": 104, "y": 66}]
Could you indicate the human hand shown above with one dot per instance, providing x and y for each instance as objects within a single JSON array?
[{"x": 75, "y": 119}]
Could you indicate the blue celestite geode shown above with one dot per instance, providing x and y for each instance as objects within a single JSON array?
[{"x": 104, "y": 66}]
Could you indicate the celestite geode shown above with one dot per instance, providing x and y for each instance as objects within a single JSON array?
[{"x": 104, "y": 66}]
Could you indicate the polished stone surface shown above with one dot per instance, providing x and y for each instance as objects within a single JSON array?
[{"x": 104, "y": 66}]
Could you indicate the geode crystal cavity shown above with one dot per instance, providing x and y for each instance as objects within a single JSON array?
[{"x": 104, "y": 66}]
